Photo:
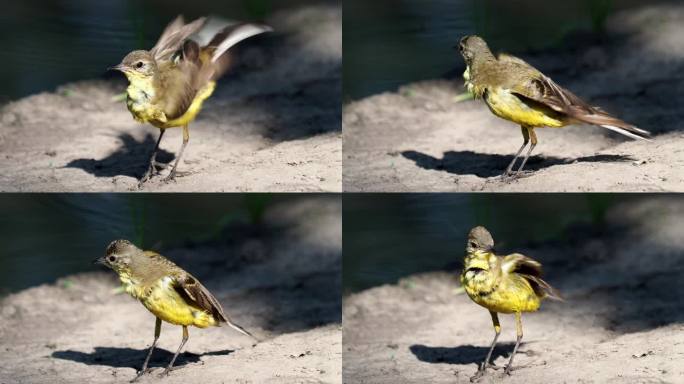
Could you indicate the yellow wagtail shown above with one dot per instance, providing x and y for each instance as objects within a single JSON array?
[
  {"x": 516, "y": 91},
  {"x": 502, "y": 284},
  {"x": 166, "y": 290},
  {"x": 169, "y": 83}
]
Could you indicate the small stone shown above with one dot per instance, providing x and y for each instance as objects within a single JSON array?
[
  {"x": 9, "y": 311},
  {"x": 9, "y": 118}
]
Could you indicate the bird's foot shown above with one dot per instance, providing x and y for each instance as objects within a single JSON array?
[
  {"x": 152, "y": 170},
  {"x": 507, "y": 177},
  {"x": 477, "y": 376},
  {"x": 168, "y": 370},
  {"x": 171, "y": 176},
  {"x": 140, "y": 374},
  {"x": 508, "y": 370}
]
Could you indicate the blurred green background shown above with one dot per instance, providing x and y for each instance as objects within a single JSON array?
[
  {"x": 389, "y": 236},
  {"x": 45, "y": 236},
  {"x": 46, "y": 43},
  {"x": 388, "y": 43}
]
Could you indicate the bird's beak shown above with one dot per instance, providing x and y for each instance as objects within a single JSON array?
[
  {"x": 118, "y": 67},
  {"x": 99, "y": 260}
]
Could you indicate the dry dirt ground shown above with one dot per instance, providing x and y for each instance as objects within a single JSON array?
[
  {"x": 421, "y": 139},
  {"x": 281, "y": 282},
  {"x": 622, "y": 321},
  {"x": 273, "y": 124}
]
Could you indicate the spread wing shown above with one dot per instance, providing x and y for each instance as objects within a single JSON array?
[
  {"x": 531, "y": 270},
  {"x": 173, "y": 37}
]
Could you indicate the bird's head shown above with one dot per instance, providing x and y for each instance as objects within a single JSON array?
[
  {"x": 472, "y": 47},
  {"x": 479, "y": 239},
  {"x": 119, "y": 256},
  {"x": 137, "y": 65}
]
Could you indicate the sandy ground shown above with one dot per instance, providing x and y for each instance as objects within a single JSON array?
[
  {"x": 272, "y": 125},
  {"x": 281, "y": 282},
  {"x": 421, "y": 139},
  {"x": 622, "y": 321}
]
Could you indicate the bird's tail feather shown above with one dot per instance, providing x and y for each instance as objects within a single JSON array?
[
  {"x": 614, "y": 124},
  {"x": 239, "y": 329}
]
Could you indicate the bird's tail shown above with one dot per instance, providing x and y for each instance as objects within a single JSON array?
[
  {"x": 607, "y": 121},
  {"x": 239, "y": 328}
]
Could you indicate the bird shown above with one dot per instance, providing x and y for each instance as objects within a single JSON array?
[
  {"x": 516, "y": 91},
  {"x": 502, "y": 284},
  {"x": 165, "y": 289},
  {"x": 169, "y": 83}
]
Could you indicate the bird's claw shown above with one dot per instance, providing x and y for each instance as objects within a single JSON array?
[
  {"x": 508, "y": 369},
  {"x": 140, "y": 374},
  {"x": 167, "y": 371},
  {"x": 152, "y": 170},
  {"x": 170, "y": 177}
]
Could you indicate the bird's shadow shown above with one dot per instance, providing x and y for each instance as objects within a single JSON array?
[
  {"x": 490, "y": 165},
  {"x": 463, "y": 354},
  {"x": 132, "y": 358},
  {"x": 130, "y": 159}
]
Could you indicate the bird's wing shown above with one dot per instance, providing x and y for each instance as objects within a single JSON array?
[
  {"x": 506, "y": 58},
  {"x": 191, "y": 289},
  {"x": 519, "y": 263},
  {"x": 214, "y": 56},
  {"x": 173, "y": 37},
  {"x": 531, "y": 270},
  {"x": 198, "y": 295},
  {"x": 544, "y": 92},
  {"x": 179, "y": 80}
]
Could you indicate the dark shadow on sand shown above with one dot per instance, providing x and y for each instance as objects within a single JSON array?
[
  {"x": 491, "y": 165},
  {"x": 130, "y": 159},
  {"x": 132, "y": 358},
  {"x": 463, "y": 354}
]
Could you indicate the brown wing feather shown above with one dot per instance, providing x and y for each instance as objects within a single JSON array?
[
  {"x": 531, "y": 270},
  {"x": 173, "y": 37},
  {"x": 542, "y": 288},
  {"x": 190, "y": 288},
  {"x": 545, "y": 91},
  {"x": 199, "y": 296}
]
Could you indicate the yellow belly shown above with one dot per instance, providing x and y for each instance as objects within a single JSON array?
[
  {"x": 508, "y": 106},
  {"x": 149, "y": 113},
  {"x": 165, "y": 303},
  {"x": 515, "y": 295}
]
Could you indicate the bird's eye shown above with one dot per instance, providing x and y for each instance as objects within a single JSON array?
[
  {"x": 461, "y": 47},
  {"x": 472, "y": 244},
  {"x": 112, "y": 258},
  {"x": 139, "y": 64}
]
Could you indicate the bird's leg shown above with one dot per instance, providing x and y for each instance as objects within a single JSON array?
[
  {"x": 497, "y": 329},
  {"x": 153, "y": 161},
  {"x": 519, "y": 333},
  {"x": 526, "y": 139},
  {"x": 173, "y": 360},
  {"x": 533, "y": 137},
  {"x": 186, "y": 138},
  {"x": 157, "y": 331}
]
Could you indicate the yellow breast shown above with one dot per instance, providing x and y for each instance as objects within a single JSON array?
[
  {"x": 164, "y": 302},
  {"x": 508, "y": 106},
  {"x": 512, "y": 293},
  {"x": 139, "y": 103}
]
